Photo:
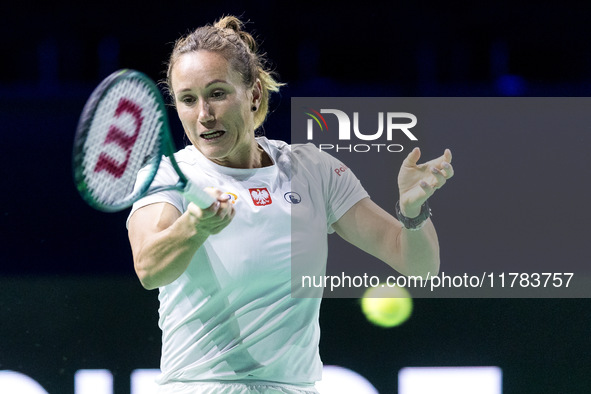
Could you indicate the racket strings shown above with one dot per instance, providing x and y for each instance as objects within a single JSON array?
[{"x": 123, "y": 136}]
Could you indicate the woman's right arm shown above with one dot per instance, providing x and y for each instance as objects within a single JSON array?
[{"x": 163, "y": 241}]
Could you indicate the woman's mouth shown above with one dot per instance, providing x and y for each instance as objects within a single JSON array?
[{"x": 212, "y": 135}]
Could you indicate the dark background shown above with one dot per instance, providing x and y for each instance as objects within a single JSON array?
[{"x": 69, "y": 298}]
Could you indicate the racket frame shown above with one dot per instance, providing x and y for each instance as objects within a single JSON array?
[{"x": 165, "y": 148}]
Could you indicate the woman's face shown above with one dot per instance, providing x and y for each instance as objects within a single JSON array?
[{"x": 214, "y": 107}]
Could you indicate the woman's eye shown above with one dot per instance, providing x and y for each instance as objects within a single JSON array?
[
  {"x": 187, "y": 100},
  {"x": 218, "y": 94}
]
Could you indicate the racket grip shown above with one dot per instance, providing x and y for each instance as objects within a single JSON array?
[{"x": 198, "y": 196}]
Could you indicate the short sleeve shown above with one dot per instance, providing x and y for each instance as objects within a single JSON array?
[
  {"x": 343, "y": 189},
  {"x": 339, "y": 187},
  {"x": 165, "y": 176}
]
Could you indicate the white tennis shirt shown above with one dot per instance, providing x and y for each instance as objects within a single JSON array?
[{"x": 231, "y": 315}]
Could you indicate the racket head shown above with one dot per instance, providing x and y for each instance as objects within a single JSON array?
[{"x": 123, "y": 128}]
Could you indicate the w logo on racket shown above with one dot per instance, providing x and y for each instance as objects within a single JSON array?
[{"x": 119, "y": 142}]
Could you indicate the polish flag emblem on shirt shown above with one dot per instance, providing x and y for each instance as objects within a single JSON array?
[{"x": 260, "y": 196}]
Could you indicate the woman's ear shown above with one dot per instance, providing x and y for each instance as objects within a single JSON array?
[{"x": 257, "y": 93}]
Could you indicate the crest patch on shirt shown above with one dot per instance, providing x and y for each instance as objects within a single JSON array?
[{"x": 260, "y": 196}]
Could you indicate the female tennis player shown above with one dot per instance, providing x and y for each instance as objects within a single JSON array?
[{"x": 229, "y": 321}]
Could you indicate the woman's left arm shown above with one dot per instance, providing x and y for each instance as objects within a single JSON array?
[{"x": 369, "y": 227}]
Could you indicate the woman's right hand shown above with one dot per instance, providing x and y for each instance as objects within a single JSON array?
[{"x": 214, "y": 219}]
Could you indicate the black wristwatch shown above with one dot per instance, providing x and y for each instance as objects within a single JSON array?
[{"x": 414, "y": 223}]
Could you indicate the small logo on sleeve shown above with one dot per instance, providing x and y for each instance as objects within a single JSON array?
[
  {"x": 260, "y": 196},
  {"x": 341, "y": 169}
]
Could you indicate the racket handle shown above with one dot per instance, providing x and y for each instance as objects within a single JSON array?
[{"x": 198, "y": 196}]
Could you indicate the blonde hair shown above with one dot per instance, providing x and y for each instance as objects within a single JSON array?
[{"x": 227, "y": 37}]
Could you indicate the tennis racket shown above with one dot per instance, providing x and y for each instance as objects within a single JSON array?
[{"x": 124, "y": 128}]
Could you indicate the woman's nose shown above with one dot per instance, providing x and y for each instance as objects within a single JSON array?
[{"x": 205, "y": 113}]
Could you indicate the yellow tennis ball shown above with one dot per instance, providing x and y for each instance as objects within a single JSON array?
[{"x": 387, "y": 306}]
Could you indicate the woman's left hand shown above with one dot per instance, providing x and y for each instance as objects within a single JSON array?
[{"x": 418, "y": 182}]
